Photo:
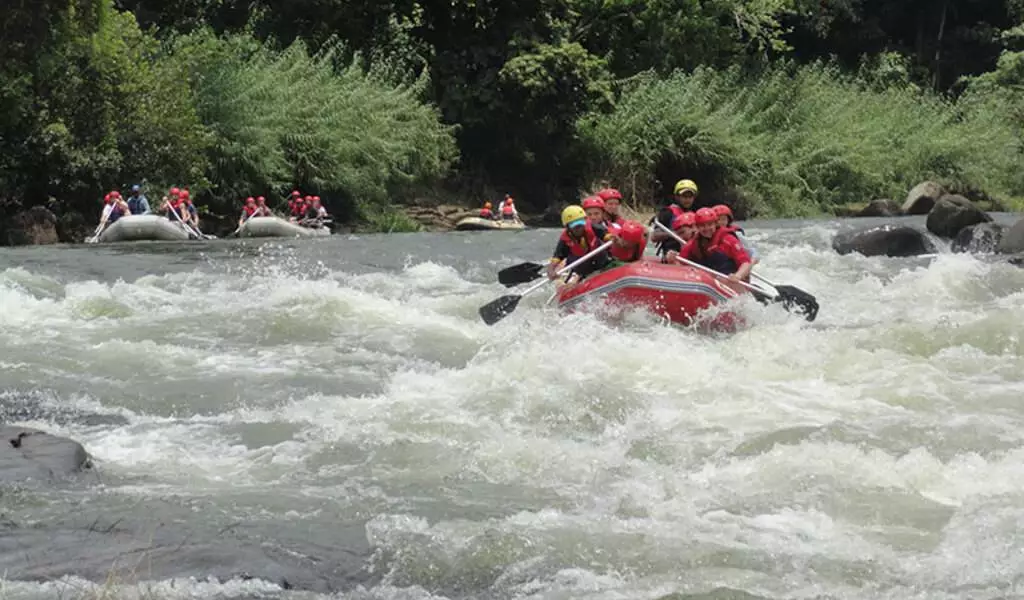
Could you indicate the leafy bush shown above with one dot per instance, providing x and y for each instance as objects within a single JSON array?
[
  {"x": 287, "y": 118},
  {"x": 798, "y": 140}
]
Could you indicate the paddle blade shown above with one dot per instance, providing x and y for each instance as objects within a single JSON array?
[
  {"x": 499, "y": 309},
  {"x": 794, "y": 297},
  {"x": 520, "y": 273}
]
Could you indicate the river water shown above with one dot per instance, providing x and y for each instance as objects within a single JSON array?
[{"x": 344, "y": 391}]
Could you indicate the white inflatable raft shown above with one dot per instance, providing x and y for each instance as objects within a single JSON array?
[
  {"x": 480, "y": 224},
  {"x": 133, "y": 228},
  {"x": 278, "y": 227}
]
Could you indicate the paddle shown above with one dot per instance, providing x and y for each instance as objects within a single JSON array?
[
  {"x": 245, "y": 220},
  {"x": 788, "y": 295},
  {"x": 103, "y": 222},
  {"x": 521, "y": 273},
  {"x": 502, "y": 307}
]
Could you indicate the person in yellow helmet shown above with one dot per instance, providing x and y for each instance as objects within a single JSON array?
[
  {"x": 684, "y": 193},
  {"x": 579, "y": 237}
]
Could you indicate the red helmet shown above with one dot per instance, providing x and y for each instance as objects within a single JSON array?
[
  {"x": 296, "y": 194},
  {"x": 610, "y": 194},
  {"x": 633, "y": 232},
  {"x": 115, "y": 194},
  {"x": 316, "y": 198},
  {"x": 250, "y": 200},
  {"x": 309, "y": 198},
  {"x": 175, "y": 191},
  {"x": 706, "y": 215},
  {"x": 687, "y": 219},
  {"x": 107, "y": 198},
  {"x": 261, "y": 199},
  {"x": 184, "y": 193},
  {"x": 593, "y": 202},
  {"x": 721, "y": 209}
]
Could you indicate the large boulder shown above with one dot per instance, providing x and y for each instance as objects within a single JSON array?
[
  {"x": 882, "y": 207},
  {"x": 978, "y": 238},
  {"x": 36, "y": 225},
  {"x": 30, "y": 454},
  {"x": 952, "y": 213},
  {"x": 922, "y": 198},
  {"x": 1012, "y": 241},
  {"x": 888, "y": 240}
]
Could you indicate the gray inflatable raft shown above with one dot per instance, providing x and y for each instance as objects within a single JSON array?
[
  {"x": 278, "y": 227},
  {"x": 134, "y": 228}
]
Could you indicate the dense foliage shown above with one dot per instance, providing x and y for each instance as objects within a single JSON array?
[{"x": 793, "y": 105}]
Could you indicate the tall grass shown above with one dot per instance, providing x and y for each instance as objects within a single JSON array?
[
  {"x": 799, "y": 140},
  {"x": 288, "y": 118}
]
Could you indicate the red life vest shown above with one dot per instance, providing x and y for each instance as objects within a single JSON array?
[
  {"x": 508, "y": 209},
  {"x": 485, "y": 213},
  {"x": 712, "y": 256},
  {"x": 677, "y": 210},
  {"x": 578, "y": 248},
  {"x": 249, "y": 210},
  {"x": 627, "y": 254}
]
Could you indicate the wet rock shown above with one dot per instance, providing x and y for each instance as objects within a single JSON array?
[
  {"x": 888, "y": 240},
  {"x": 34, "y": 226},
  {"x": 882, "y": 207},
  {"x": 952, "y": 213},
  {"x": 922, "y": 198},
  {"x": 978, "y": 238},
  {"x": 72, "y": 228},
  {"x": 1012, "y": 241},
  {"x": 100, "y": 548},
  {"x": 28, "y": 454}
]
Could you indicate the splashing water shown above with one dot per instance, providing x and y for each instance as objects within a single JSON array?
[{"x": 875, "y": 453}]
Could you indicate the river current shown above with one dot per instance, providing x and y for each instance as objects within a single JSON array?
[{"x": 345, "y": 387}]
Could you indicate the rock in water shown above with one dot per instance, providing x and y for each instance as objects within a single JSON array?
[
  {"x": 1012, "y": 241},
  {"x": 30, "y": 454},
  {"x": 978, "y": 238},
  {"x": 887, "y": 240},
  {"x": 881, "y": 208},
  {"x": 952, "y": 213},
  {"x": 922, "y": 198},
  {"x": 36, "y": 225}
]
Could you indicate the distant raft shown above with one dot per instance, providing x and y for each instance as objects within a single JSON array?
[
  {"x": 480, "y": 224},
  {"x": 135, "y": 228},
  {"x": 278, "y": 227}
]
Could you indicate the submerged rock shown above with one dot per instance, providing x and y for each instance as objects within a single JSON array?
[
  {"x": 952, "y": 213},
  {"x": 887, "y": 240},
  {"x": 28, "y": 454},
  {"x": 922, "y": 198},
  {"x": 978, "y": 238}
]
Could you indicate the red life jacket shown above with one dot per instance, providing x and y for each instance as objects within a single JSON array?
[
  {"x": 627, "y": 254},
  {"x": 712, "y": 256},
  {"x": 508, "y": 209},
  {"x": 677, "y": 210},
  {"x": 485, "y": 213},
  {"x": 249, "y": 210},
  {"x": 578, "y": 248}
]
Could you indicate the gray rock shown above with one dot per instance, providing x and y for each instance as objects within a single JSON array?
[
  {"x": 882, "y": 207},
  {"x": 978, "y": 238},
  {"x": 28, "y": 454},
  {"x": 99, "y": 548},
  {"x": 952, "y": 213},
  {"x": 922, "y": 198},
  {"x": 888, "y": 240},
  {"x": 36, "y": 225},
  {"x": 1012, "y": 241}
]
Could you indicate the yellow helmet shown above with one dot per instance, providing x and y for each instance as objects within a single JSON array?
[
  {"x": 684, "y": 185},
  {"x": 573, "y": 212}
]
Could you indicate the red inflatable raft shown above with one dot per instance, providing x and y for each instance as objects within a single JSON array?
[{"x": 676, "y": 292}]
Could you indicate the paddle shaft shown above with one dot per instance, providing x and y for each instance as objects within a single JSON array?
[{"x": 749, "y": 286}]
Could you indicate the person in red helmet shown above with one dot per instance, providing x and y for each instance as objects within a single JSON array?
[
  {"x": 725, "y": 219},
  {"x": 594, "y": 207},
  {"x": 249, "y": 210},
  {"x": 297, "y": 208},
  {"x": 717, "y": 248},
  {"x": 262, "y": 210},
  {"x": 630, "y": 243},
  {"x": 685, "y": 225},
  {"x": 508, "y": 210},
  {"x": 612, "y": 202}
]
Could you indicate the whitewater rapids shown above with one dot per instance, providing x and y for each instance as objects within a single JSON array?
[{"x": 295, "y": 386}]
